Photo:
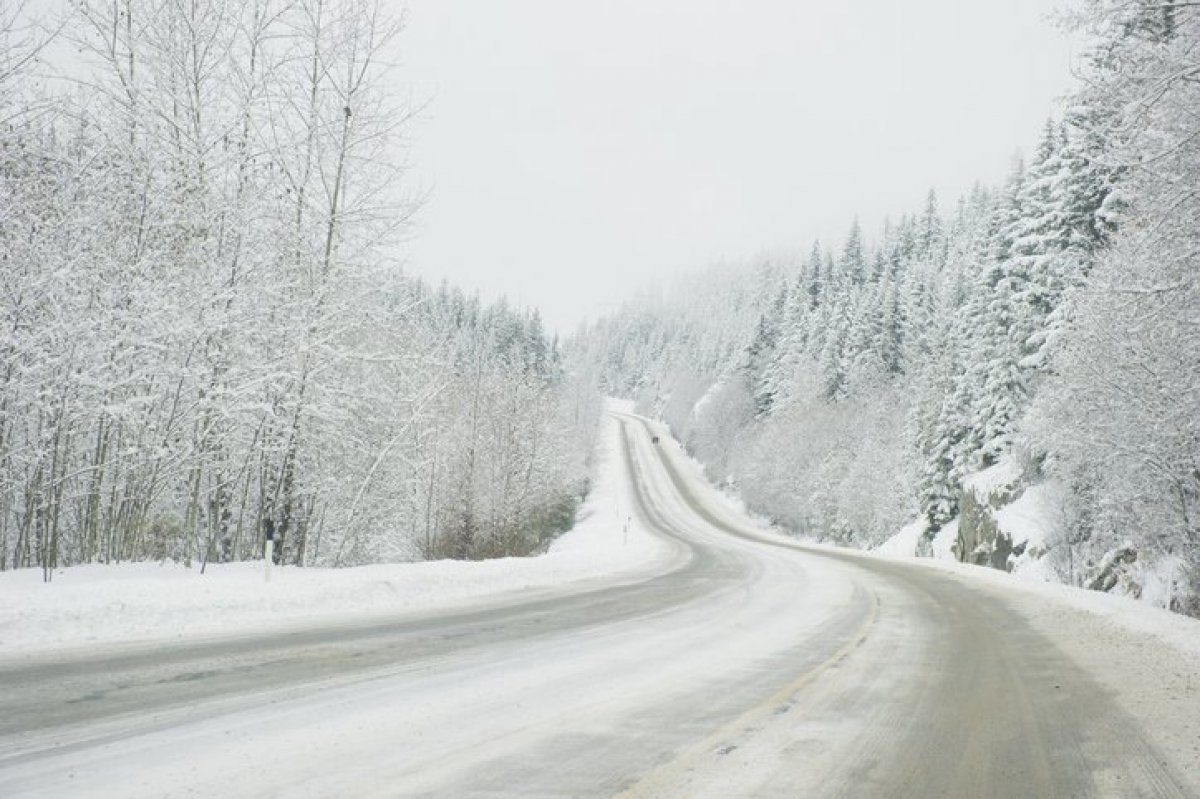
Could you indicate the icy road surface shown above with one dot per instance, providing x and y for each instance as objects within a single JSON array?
[{"x": 741, "y": 665}]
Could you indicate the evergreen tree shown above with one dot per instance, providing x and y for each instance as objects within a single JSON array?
[
  {"x": 852, "y": 266},
  {"x": 833, "y": 364},
  {"x": 931, "y": 241},
  {"x": 815, "y": 276},
  {"x": 890, "y": 342},
  {"x": 762, "y": 356}
]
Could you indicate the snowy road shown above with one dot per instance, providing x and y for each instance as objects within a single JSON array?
[{"x": 746, "y": 666}]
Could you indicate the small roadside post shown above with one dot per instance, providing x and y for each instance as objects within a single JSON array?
[{"x": 269, "y": 547}]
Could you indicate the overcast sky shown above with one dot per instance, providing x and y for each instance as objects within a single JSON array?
[{"x": 577, "y": 151}]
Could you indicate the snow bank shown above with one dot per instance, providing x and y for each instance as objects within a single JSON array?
[
  {"x": 1001, "y": 476},
  {"x": 1033, "y": 519},
  {"x": 943, "y": 542},
  {"x": 904, "y": 543},
  {"x": 158, "y": 602},
  {"x": 1179, "y": 632},
  {"x": 1163, "y": 580}
]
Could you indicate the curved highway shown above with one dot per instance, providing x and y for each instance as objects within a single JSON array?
[{"x": 747, "y": 666}]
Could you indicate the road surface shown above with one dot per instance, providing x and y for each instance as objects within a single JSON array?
[{"x": 749, "y": 666}]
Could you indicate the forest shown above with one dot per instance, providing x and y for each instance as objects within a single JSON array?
[
  {"x": 207, "y": 334},
  {"x": 1035, "y": 338}
]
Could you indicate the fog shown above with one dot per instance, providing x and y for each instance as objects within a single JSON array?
[{"x": 573, "y": 152}]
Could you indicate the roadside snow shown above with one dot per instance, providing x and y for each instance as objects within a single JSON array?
[
  {"x": 706, "y": 398},
  {"x": 1162, "y": 579},
  {"x": 904, "y": 543},
  {"x": 944, "y": 540},
  {"x": 999, "y": 477},
  {"x": 1031, "y": 517},
  {"x": 1180, "y": 633},
  {"x": 160, "y": 602}
]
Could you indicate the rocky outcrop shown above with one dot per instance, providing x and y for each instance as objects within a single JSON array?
[
  {"x": 1113, "y": 571},
  {"x": 980, "y": 539}
]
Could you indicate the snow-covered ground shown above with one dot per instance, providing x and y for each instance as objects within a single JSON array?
[
  {"x": 904, "y": 543},
  {"x": 90, "y": 605}
]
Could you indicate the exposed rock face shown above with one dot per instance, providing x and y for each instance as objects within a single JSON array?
[
  {"x": 1113, "y": 571},
  {"x": 980, "y": 539}
]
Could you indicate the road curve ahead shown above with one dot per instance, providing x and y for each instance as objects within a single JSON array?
[{"x": 747, "y": 666}]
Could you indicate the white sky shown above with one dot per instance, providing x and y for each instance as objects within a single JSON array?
[{"x": 576, "y": 151}]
